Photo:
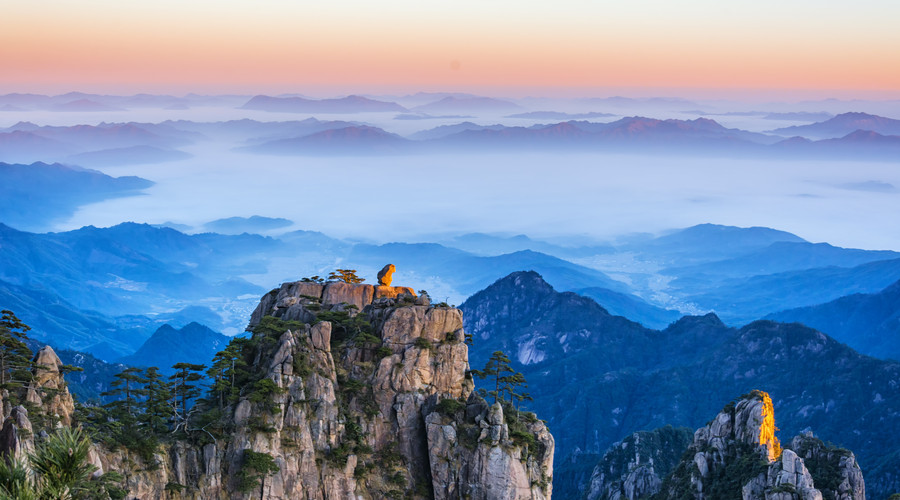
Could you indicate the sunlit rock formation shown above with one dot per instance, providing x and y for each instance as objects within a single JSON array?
[{"x": 738, "y": 455}]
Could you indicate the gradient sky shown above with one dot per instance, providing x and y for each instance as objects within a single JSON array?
[{"x": 323, "y": 47}]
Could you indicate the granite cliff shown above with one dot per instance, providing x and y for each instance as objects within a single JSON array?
[{"x": 359, "y": 391}]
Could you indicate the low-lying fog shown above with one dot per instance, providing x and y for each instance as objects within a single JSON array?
[
  {"x": 543, "y": 195},
  {"x": 409, "y": 197}
]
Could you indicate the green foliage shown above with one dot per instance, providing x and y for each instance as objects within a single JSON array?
[
  {"x": 741, "y": 465},
  {"x": 15, "y": 356},
  {"x": 263, "y": 392},
  {"x": 345, "y": 328},
  {"x": 301, "y": 366},
  {"x": 272, "y": 327},
  {"x": 15, "y": 481},
  {"x": 506, "y": 380},
  {"x": 423, "y": 343},
  {"x": 61, "y": 465},
  {"x": 450, "y": 407},
  {"x": 313, "y": 279},
  {"x": 255, "y": 467},
  {"x": 186, "y": 388},
  {"x": 383, "y": 352},
  {"x": 345, "y": 275}
]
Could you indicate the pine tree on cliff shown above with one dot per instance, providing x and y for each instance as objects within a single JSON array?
[
  {"x": 158, "y": 411},
  {"x": 226, "y": 365},
  {"x": 185, "y": 391},
  {"x": 15, "y": 356},
  {"x": 345, "y": 275},
  {"x": 128, "y": 387}
]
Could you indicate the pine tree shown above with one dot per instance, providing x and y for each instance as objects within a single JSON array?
[
  {"x": 345, "y": 275},
  {"x": 15, "y": 356},
  {"x": 128, "y": 387},
  {"x": 506, "y": 380},
  {"x": 185, "y": 390},
  {"x": 158, "y": 407},
  {"x": 227, "y": 365},
  {"x": 496, "y": 366}
]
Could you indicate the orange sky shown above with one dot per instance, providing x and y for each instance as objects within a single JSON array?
[{"x": 270, "y": 45}]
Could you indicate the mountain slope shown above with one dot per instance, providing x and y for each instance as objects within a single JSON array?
[
  {"x": 193, "y": 343},
  {"x": 605, "y": 377},
  {"x": 842, "y": 125},
  {"x": 868, "y": 322},
  {"x": 33, "y": 196}
]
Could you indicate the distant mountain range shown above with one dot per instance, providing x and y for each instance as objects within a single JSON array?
[
  {"x": 80, "y": 101},
  {"x": 868, "y": 321},
  {"x": 27, "y": 142},
  {"x": 842, "y": 125},
  {"x": 356, "y": 140},
  {"x": 597, "y": 378},
  {"x": 33, "y": 196},
  {"x": 463, "y": 104},
  {"x": 193, "y": 343},
  {"x": 349, "y": 104},
  {"x": 252, "y": 224},
  {"x": 132, "y": 155},
  {"x": 628, "y": 135}
]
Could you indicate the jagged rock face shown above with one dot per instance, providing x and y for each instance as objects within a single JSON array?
[
  {"x": 473, "y": 456},
  {"x": 47, "y": 387},
  {"x": 737, "y": 454},
  {"x": 635, "y": 467},
  {"x": 834, "y": 470},
  {"x": 358, "y": 420}
]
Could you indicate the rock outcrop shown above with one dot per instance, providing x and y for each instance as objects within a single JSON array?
[
  {"x": 386, "y": 275},
  {"x": 738, "y": 455},
  {"x": 375, "y": 402},
  {"x": 636, "y": 466},
  {"x": 48, "y": 398}
]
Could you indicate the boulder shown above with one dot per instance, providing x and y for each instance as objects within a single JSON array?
[{"x": 385, "y": 275}]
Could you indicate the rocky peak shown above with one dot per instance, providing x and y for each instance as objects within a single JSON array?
[
  {"x": 48, "y": 388},
  {"x": 372, "y": 399},
  {"x": 737, "y": 454}
]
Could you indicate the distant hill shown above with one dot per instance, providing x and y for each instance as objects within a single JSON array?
[
  {"x": 130, "y": 268},
  {"x": 869, "y": 322},
  {"x": 357, "y": 140},
  {"x": 558, "y": 115},
  {"x": 194, "y": 343},
  {"x": 349, "y": 104},
  {"x": 33, "y": 196},
  {"x": 468, "y": 273},
  {"x": 709, "y": 242},
  {"x": 843, "y": 124},
  {"x": 26, "y": 146},
  {"x": 255, "y": 132},
  {"x": 461, "y": 104},
  {"x": 740, "y": 300},
  {"x": 445, "y": 130},
  {"x": 27, "y": 142},
  {"x": 858, "y": 145},
  {"x": 783, "y": 256},
  {"x": 84, "y": 105},
  {"x": 252, "y": 224},
  {"x": 132, "y": 155},
  {"x": 631, "y": 307}
]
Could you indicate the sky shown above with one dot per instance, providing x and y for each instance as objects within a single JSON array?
[{"x": 686, "y": 47}]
